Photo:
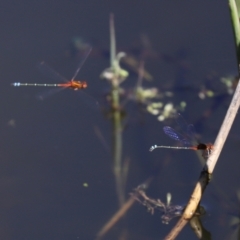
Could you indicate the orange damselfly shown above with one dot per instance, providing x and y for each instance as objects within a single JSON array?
[
  {"x": 187, "y": 138},
  {"x": 73, "y": 84}
]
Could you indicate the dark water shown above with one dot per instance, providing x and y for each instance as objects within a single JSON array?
[{"x": 50, "y": 148}]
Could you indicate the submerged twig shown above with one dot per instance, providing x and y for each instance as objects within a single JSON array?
[
  {"x": 122, "y": 211},
  {"x": 115, "y": 218},
  {"x": 169, "y": 211}
]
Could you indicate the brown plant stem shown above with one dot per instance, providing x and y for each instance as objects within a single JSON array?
[
  {"x": 209, "y": 166},
  {"x": 219, "y": 142}
]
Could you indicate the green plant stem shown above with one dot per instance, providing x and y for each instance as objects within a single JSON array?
[
  {"x": 112, "y": 42},
  {"x": 116, "y": 118},
  {"x": 235, "y": 25}
]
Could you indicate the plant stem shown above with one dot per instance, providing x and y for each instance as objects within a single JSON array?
[
  {"x": 116, "y": 118},
  {"x": 219, "y": 142},
  {"x": 235, "y": 25},
  {"x": 209, "y": 167}
]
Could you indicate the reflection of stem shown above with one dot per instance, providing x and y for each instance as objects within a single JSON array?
[
  {"x": 200, "y": 231},
  {"x": 116, "y": 117},
  {"x": 117, "y": 145}
]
